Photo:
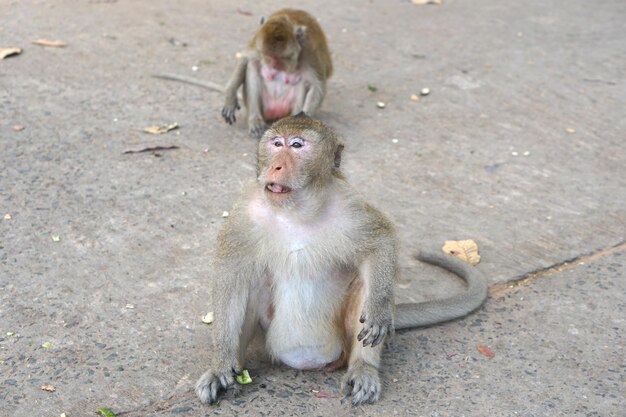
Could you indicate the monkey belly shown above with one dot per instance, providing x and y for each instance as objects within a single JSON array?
[
  {"x": 279, "y": 94},
  {"x": 303, "y": 332}
]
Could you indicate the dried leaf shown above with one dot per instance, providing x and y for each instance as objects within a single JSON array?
[
  {"x": 243, "y": 12},
  {"x": 485, "y": 350},
  {"x": 7, "y": 52},
  {"x": 48, "y": 42},
  {"x": 159, "y": 129},
  {"x": 147, "y": 147},
  {"x": 209, "y": 318},
  {"x": 48, "y": 387},
  {"x": 105, "y": 412},
  {"x": 466, "y": 250},
  {"x": 243, "y": 378}
]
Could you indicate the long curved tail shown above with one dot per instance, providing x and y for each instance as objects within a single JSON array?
[{"x": 411, "y": 315}]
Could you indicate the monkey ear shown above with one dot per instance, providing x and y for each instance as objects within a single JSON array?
[
  {"x": 300, "y": 32},
  {"x": 338, "y": 150},
  {"x": 262, "y": 20}
]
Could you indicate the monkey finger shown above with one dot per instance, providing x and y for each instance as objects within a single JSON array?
[
  {"x": 370, "y": 338},
  {"x": 379, "y": 339},
  {"x": 363, "y": 333}
]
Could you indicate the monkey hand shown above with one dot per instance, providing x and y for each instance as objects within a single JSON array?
[
  {"x": 228, "y": 111},
  {"x": 377, "y": 322},
  {"x": 213, "y": 381}
]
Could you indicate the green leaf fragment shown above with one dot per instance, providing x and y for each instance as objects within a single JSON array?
[
  {"x": 56, "y": 238},
  {"x": 105, "y": 412},
  {"x": 10, "y": 333},
  {"x": 243, "y": 378},
  {"x": 46, "y": 345},
  {"x": 372, "y": 87}
]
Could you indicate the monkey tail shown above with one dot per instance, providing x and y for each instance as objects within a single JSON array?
[{"x": 426, "y": 313}]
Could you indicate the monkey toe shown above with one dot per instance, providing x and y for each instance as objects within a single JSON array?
[{"x": 258, "y": 129}]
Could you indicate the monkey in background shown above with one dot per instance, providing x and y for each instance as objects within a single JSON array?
[
  {"x": 283, "y": 71},
  {"x": 303, "y": 257}
]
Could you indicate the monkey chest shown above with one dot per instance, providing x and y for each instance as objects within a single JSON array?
[{"x": 280, "y": 91}]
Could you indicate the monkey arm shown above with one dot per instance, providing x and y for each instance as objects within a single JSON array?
[
  {"x": 230, "y": 100},
  {"x": 233, "y": 272},
  {"x": 378, "y": 272}
]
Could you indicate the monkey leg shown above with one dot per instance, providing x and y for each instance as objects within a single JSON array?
[
  {"x": 298, "y": 99},
  {"x": 253, "y": 98},
  {"x": 314, "y": 97},
  {"x": 361, "y": 381}
]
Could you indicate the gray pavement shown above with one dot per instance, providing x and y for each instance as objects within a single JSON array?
[{"x": 519, "y": 146}]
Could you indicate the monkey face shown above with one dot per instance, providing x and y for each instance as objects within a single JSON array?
[{"x": 295, "y": 156}]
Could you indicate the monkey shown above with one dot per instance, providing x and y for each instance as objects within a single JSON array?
[
  {"x": 283, "y": 72},
  {"x": 305, "y": 259}
]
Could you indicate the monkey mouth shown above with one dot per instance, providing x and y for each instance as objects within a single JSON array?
[{"x": 275, "y": 188}]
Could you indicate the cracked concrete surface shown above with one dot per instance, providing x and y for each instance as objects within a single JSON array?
[{"x": 519, "y": 146}]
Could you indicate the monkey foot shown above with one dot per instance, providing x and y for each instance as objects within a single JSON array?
[{"x": 362, "y": 383}]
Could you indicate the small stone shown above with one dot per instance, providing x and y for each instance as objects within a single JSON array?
[
  {"x": 514, "y": 153},
  {"x": 225, "y": 214},
  {"x": 208, "y": 318},
  {"x": 394, "y": 140},
  {"x": 425, "y": 91},
  {"x": 18, "y": 128},
  {"x": 570, "y": 130},
  {"x": 130, "y": 306},
  {"x": 381, "y": 104},
  {"x": 7, "y": 216},
  {"x": 526, "y": 153},
  {"x": 414, "y": 97}
]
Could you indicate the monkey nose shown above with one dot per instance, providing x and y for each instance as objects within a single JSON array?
[{"x": 278, "y": 168}]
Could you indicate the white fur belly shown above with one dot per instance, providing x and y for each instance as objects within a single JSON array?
[{"x": 305, "y": 332}]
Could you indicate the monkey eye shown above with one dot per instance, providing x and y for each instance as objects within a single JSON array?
[
  {"x": 296, "y": 142},
  {"x": 277, "y": 142}
]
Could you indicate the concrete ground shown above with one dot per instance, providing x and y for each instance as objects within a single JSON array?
[{"x": 519, "y": 146}]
